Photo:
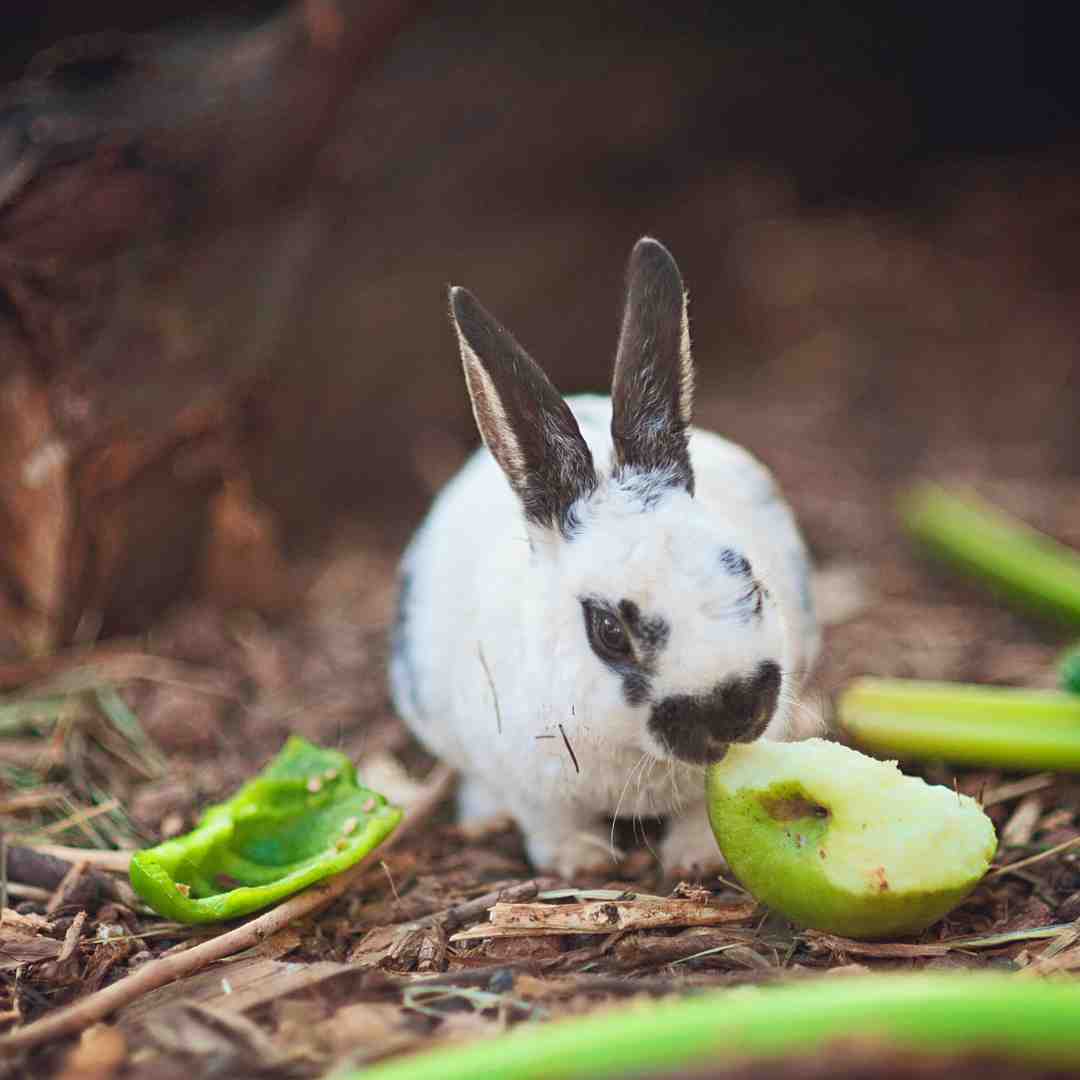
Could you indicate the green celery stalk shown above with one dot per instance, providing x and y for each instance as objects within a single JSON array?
[
  {"x": 1069, "y": 670},
  {"x": 975, "y": 725},
  {"x": 1011, "y": 557},
  {"x": 1034, "y": 1021}
]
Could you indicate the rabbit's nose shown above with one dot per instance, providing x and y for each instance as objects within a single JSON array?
[{"x": 699, "y": 728}]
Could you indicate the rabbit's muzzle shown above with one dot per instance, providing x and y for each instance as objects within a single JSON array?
[{"x": 698, "y": 729}]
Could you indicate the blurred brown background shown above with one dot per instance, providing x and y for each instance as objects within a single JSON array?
[{"x": 229, "y": 241}]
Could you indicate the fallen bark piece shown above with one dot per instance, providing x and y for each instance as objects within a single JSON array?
[
  {"x": 238, "y": 986},
  {"x": 603, "y": 917},
  {"x": 636, "y": 952},
  {"x": 19, "y": 945},
  {"x": 898, "y": 950},
  {"x": 31, "y": 866}
]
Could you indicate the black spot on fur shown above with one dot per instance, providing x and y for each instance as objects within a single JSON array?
[
  {"x": 698, "y": 729},
  {"x": 646, "y": 488},
  {"x": 735, "y": 563},
  {"x": 399, "y": 635},
  {"x": 651, "y": 390},
  {"x": 650, "y": 633},
  {"x": 752, "y": 601},
  {"x": 636, "y": 686}
]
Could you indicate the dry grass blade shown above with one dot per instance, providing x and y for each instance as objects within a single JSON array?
[
  {"x": 50, "y": 681},
  {"x": 166, "y": 970},
  {"x": 1008, "y": 937},
  {"x": 1016, "y": 788},
  {"x": 77, "y": 819},
  {"x": 32, "y": 800},
  {"x": 1057, "y": 849},
  {"x": 883, "y": 949}
]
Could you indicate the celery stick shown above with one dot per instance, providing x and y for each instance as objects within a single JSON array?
[
  {"x": 1029, "y": 1021},
  {"x": 1069, "y": 670},
  {"x": 976, "y": 725},
  {"x": 972, "y": 701},
  {"x": 1012, "y": 558}
]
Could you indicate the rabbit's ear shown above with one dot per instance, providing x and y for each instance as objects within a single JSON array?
[
  {"x": 523, "y": 419},
  {"x": 653, "y": 386}
]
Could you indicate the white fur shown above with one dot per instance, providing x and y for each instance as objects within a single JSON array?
[{"x": 489, "y": 591}]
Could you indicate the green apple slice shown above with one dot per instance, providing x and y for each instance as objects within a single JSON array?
[{"x": 842, "y": 842}]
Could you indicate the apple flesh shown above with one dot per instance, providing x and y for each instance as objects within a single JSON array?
[{"x": 842, "y": 842}]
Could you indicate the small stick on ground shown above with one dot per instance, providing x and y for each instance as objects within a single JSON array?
[
  {"x": 605, "y": 916},
  {"x": 452, "y": 917},
  {"x": 71, "y": 938},
  {"x": 29, "y": 866},
  {"x": 157, "y": 973},
  {"x": 69, "y": 883},
  {"x": 119, "y": 862}
]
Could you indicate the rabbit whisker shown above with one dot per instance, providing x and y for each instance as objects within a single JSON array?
[
  {"x": 622, "y": 795},
  {"x": 652, "y": 804}
]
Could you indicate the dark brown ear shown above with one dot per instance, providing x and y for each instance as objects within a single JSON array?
[
  {"x": 653, "y": 386},
  {"x": 522, "y": 418}
]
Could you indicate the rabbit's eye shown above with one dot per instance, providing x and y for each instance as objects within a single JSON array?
[{"x": 607, "y": 635}]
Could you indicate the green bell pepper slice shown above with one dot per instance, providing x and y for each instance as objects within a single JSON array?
[{"x": 302, "y": 819}]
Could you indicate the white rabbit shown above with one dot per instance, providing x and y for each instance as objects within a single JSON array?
[{"x": 580, "y": 641}]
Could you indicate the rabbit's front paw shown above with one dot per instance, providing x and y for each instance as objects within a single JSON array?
[
  {"x": 571, "y": 852},
  {"x": 477, "y": 802},
  {"x": 690, "y": 844}
]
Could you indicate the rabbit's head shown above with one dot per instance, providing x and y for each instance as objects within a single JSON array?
[{"x": 668, "y": 634}]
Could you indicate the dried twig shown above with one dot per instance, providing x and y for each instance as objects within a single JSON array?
[
  {"x": 71, "y": 938},
  {"x": 603, "y": 917},
  {"x": 456, "y": 916},
  {"x": 117, "y": 861},
  {"x": 68, "y": 885},
  {"x": 166, "y": 970},
  {"x": 821, "y": 942},
  {"x": 30, "y": 866}
]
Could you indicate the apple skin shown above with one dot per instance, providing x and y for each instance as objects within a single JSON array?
[{"x": 776, "y": 841}]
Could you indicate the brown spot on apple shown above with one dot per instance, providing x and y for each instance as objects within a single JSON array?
[{"x": 794, "y": 808}]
